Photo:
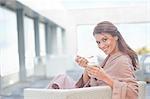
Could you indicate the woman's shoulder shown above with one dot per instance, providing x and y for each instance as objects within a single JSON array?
[
  {"x": 124, "y": 58},
  {"x": 119, "y": 56},
  {"x": 119, "y": 59}
]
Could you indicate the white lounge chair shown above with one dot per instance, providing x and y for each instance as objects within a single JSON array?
[{"x": 99, "y": 92}]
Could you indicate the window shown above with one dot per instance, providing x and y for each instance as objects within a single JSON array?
[
  {"x": 42, "y": 39},
  {"x": 9, "y": 59},
  {"x": 29, "y": 45},
  {"x": 136, "y": 35},
  {"x": 59, "y": 41}
]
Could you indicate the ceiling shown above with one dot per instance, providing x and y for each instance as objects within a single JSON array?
[{"x": 79, "y": 4}]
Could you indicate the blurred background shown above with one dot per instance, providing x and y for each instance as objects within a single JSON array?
[{"x": 40, "y": 38}]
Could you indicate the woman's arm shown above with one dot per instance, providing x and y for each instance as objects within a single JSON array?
[
  {"x": 100, "y": 74},
  {"x": 83, "y": 63},
  {"x": 107, "y": 79},
  {"x": 85, "y": 77},
  {"x": 83, "y": 80}
]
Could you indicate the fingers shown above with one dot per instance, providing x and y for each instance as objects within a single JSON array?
[
  {"x": 90, "y": 70},
  {"x": 93, "y": 68},
  {"x": 95, "y": 71},
  {"x": 81, "y": 61}
]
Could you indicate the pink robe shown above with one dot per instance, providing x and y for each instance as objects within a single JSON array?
[{"x": 119, "y": 67}]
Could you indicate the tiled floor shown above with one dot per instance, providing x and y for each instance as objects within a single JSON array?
[{"x": 16, "y": 91}]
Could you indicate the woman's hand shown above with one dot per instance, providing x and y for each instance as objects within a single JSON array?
[
  {"x": 81, "y": 61},
  {"x": 99, "y": 74},
  {"x": 96, "y": 72}
]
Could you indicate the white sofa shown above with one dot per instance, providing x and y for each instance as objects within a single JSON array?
[{"x": 99, "y": 92}]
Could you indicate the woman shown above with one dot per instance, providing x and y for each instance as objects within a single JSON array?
[{"x": 117, "y": 70}]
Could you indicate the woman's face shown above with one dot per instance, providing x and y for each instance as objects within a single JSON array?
[{"x": 107, "y": 43}]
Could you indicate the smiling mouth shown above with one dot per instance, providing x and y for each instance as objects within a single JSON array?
[{"x": 105, "y": 50}]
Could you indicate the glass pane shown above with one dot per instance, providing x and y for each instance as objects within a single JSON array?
[
  {"x": 59, "y": 41},
  {"x": 29, "y": 45},
  {"x": 42, "y": 39},
  {"x": 136, "y": 35},
  {"x": 9, "y": 59}
]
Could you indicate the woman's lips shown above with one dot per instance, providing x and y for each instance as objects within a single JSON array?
[{"x": 105, "y": 50}]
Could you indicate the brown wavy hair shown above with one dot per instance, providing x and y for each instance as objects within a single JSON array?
[{"x": 108, "y": 27}]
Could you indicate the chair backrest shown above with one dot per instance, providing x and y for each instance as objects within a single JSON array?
[
  {"x": 142, "y": 89},
  {"x": 100, "y": 92}
]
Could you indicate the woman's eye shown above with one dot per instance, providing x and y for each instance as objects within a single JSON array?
[{"x": 104, "y": 40}]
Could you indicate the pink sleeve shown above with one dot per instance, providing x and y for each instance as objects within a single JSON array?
[
  {"x": 80, "y": 83},
  {"x": 119, "y": 90},
  {"x": 125, "y": 85},
  {"x": 63, "y": 81}
]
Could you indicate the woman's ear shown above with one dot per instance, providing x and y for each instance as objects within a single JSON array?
[{"x": 116, "y": 38}]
